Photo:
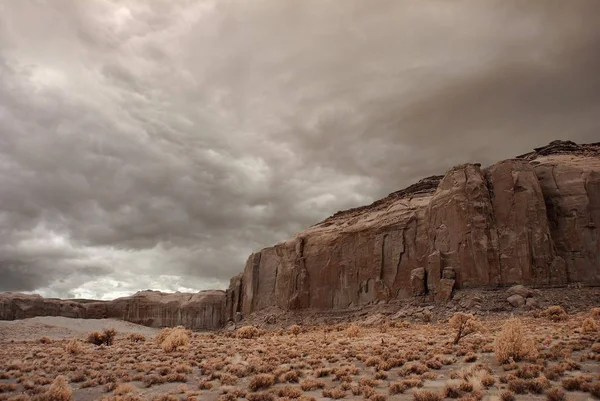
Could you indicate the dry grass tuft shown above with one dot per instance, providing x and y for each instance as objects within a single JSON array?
[
  {"x": 556, "y": 313},
  {"x": 335, "y": 393},
  {"x": 513, "y": 344},
  {"x": 295, "y": 329},
  {"x": 73, "y": 346},
  {"x": 426, "y": 395},
  {"x": 507, "y": 395},
  {"x": 59, "y": 390},
  {"x": 136, "y": 338},
  {"x": 556, "y": 394},
  {"x": 262, "y": 381},
  {"x": 589, "y": 325},
  {"x": 311, "y": 384},
  {"x": 248, "y": 332},
  {"x": 173, "y": 339},
  {"x": 353, "y": 330}
]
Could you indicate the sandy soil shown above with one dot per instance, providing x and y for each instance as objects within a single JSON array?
[
  {"x": 357, "y": 362},
  {"x": 56, "y": 327}
]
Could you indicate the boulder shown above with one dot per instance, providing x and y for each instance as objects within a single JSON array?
[
  {"x": 520, "y": 290},
  {"x": 417, "y": 281},
  {"x": 444, "y": 292},
  {"x": 516, "y": 301}
]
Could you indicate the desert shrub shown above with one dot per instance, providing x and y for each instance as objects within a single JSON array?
[
  {"x": 45, "y": 340},
  {"x": 59, "y": 390},
  {"x": 335, "y": 393},
  {"x": 205, "y": 385},
  {"x": 247, "y": 332},
  {"x": 507, "y": 395},
  {"x": 555, "y": 394},
  {"x": 261, "y": 381},
  {"x": 104, "y": 337},
  {"x": 73, "y": 346},
  {"x": 452, "y": 389},
  {"x": 464, "y": 324},
  {"x": 124, "y": 388},
  {"x": 353, "y": 330},
  {"x": 136, "y": 338},
  {"x": 572, "y": 383},
  {"x": 589, "y": 325},
  {"x": 263, "y": 396},
  {"x": 556, "y": 313},
  {"x": 378, "y": 397},
  {"x": 426, "y": 395},
  {"x": 311, "y": 384},
  {"x": 512, "y": 343},
  {"x": 397, "y": 388},
  {"x": 470, "y": 357},
  {"x": 594, "y": 389},
  {"x": 295, "y": 329},
  {"x": 595, "y": 313},
  {"x": 288, "y": 391},
  {"x": 172, "y": 339}
]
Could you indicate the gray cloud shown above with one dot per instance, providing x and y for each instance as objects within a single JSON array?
[{"x": 156, "y": 144}]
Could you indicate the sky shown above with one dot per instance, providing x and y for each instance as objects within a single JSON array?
[{"x": 157, "y": 144}]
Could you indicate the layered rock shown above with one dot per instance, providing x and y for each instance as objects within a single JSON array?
[
  {"x": 531, "y": 220},
  {"x": 203, "y": 310}
]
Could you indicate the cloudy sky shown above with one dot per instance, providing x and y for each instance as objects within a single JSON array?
[{"x": 157, "y": 143}]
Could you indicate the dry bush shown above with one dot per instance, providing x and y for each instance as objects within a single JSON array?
[
  {"x": 124, "y": 388},
  {"x": 513, "y": 344},
  {"x": 556, "y": 394},
  {"x": 136, "y": 338},
  {"x": 205, "y": 385},
  {"x": 595, "y": 313},
  {"x": 172, "y": 339},
  {"x": 378, "y": 397},
  {"x": 311, "y": 384},
  {"x": 104, "y": 337},
  {"x": 73, "y": 346},
  {"x": 507, "y": 395},
  {"x": 261, "y": 381},
  {"x": 247, "y": 332},
  {"x": 464, "y": 324},
  {"x": 396, "y": 388},
  {"x": 59, "y": 390},
  {"x": 426, "y": 395},
  {"x": 556, "y": 313},
  {"x": 589, "y": 325},
  {"x": 288, "y": 391},
  {"x": 263, "y": 396},
  {"x": 335, "y": 393},
  {"x": 353, "y": 330},
  {"x": 572, "y": 383},
  {"x": 295, "y": 329},
  {"x": 594, "y": 389},
  {"x": 45, "y": 340}
]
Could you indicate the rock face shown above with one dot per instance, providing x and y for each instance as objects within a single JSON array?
[
  {"x": 531, "y": 220},
  {"x": 203, "y": 310}
]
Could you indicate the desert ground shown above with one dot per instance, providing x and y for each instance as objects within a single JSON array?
[{"x": 540, "y": 355}]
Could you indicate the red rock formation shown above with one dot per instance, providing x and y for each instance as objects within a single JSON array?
[
  {"x": 203, "y": 310},
  {"x": 531, "y": 220}
]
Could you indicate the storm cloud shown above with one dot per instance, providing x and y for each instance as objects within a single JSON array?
[{"x": 156, "y": 144}]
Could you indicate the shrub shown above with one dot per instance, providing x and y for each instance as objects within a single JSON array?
[
  {"x": 264, "y": 396},
  {"x": 426, "y": 395},
  {"x": 261, "y": 381},
  {"x": 335, "y": 393},
  {"x": 595, "y": 313},
  {"x": 353, "y": 330},
  {"x": 589, "y": 325},
  {"x": 464, "y": 324},
  {"x": 45, "y": 340},
  {"x": 572, "y": 383},
  {"x": 555, "y": 394},
  {"x": 295, "y": 329},
  {"x": 311, "y": 384},
  {"x": 397, "y": 388},
  {"x": 288, "y": 391},
  {"x": 59, "y": 390},
  {"x": 595, "y": 389},
  {"x": 106, "y": 337},
  {"x": 247, "y": 332},
  {"x": 556, "y": 313},
  {"x": 171, "y": 339},
  {"x": 73, "y": 346},
  {"x": 507, "y": 396},
  {"x": 137, "y": 338},
  {"x": 512, "y": 343}
]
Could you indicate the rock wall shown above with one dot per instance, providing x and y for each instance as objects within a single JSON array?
[
  {"x": 532, "y": 220},
  {"x": 203, "y": 310}
]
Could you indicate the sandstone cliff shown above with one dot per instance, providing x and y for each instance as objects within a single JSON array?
[
  {"x": 531, "y": 220},
  {"x": 203, "y": 310}
]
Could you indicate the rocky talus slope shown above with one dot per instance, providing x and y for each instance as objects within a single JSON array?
[{"x": 531, "y": 220}]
